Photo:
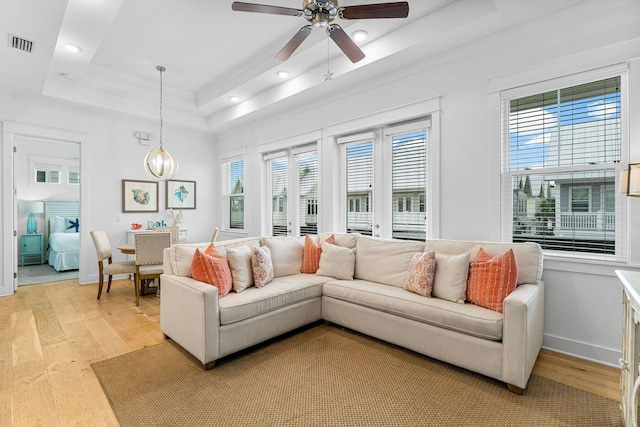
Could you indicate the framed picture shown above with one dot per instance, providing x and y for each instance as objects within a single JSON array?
[
  {"x": 139, "y": 196},
  {"x": 181, "y": 194}
]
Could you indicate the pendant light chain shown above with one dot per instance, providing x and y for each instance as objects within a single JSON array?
[{"x": 161, "y": 69}]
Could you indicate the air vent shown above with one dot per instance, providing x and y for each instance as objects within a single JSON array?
[{"x": 20, "y": 43}]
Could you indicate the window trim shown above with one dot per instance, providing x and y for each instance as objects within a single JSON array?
[{"x": 506, "y": 212}]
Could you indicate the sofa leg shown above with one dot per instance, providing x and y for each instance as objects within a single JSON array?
[
  {"x": 514, "y": 389},
  {"x": 209, "y": 365}
]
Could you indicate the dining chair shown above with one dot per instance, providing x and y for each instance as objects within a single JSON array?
[
  {"x": 174, "y": 231},
  {"x": 103, "y": 252},
  {"x": 149, "y": 249},
  {"x": 214, "y": 236}
]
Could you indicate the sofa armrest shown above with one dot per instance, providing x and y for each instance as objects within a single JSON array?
[
  {"x": 522, "y": 332},
  {"x": 189, "y": 315}
]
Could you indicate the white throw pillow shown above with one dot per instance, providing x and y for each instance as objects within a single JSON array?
[
  {"x": 337, "y": 261},
  {"x": 450, "y": 280},
  {"x": 286, "y": 254},
  {"x": 239, "y": 259}
]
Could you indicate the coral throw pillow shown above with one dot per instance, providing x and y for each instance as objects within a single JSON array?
[
  {"x": 262, "y": 266},
  {"x": 492, "y": 279},
  {"x": 212, "y": 269},
  {"x": 421, "y": 270},
  {"x": 312, "y": 252}
]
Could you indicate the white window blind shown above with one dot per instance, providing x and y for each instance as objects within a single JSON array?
[
  {"x": 279, "y": 169},
  {"x": 408, "y": 176},
  {"x": 307, "y": 164},
  {"x": 233, "y": 192},
  {"x": 561, "y": 162},
  {"x": 357, "y": 166}
]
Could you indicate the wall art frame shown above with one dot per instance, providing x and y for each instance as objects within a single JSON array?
[
  {"x": 181, "y": 194},
  {"x": 139, "y": 196}
]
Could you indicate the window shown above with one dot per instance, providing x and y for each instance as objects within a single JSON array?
[
  {"x": 409, "y": 168},
  {"x": 561, "y": 156},
  {"x": 73, "y": 177},
  {"x": 279, "y": 182},
  {"x": 580, "y": 199},
  {"x": 358, "y": 164},
  {"x": 385, "y": 181},
  {"x": 292, "y": 182},
  {"x": 47, "y": 173},
  {"x": 233, "y": 190},
  {"x": 308, "y": 191}
]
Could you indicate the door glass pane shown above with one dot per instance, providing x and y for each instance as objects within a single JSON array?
[
  {"x": 409, "y": 165},
  {"x": 360, "y": 187}
]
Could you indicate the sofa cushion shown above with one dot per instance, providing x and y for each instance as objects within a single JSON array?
[
  {"x": 286, "y": 253},
  {"x": 492, "y": 279},
  {"x": 450, "y": 281},
  {"x": 465, "y": 318},
  {"x": 281, "y": 292},
  {"x": 262, "y": 266},
  {"x": 384, "y": 260},
  {"x": 347, "y": 240},
  {"x": 179, "y": 257},
  {"x": 240, "y": 264},
  {"x": 421, "y": 271},
  {"x": 337, "y": 261},
  {"x": 528, "y": 255}
]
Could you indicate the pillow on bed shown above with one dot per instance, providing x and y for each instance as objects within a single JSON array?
[
  {"x": 71, "y": 225},
  {"x": 56, "y": 224}
]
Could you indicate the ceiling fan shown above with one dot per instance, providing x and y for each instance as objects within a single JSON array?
[{"x": 320, "y": 14}]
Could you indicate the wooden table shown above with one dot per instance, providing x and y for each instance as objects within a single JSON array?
[
  {"x": 630, "y": 361},
  {"x": 128, "y": 248}
]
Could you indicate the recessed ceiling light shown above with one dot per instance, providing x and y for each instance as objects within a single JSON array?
[
  {"x": 234, "y": 98},
  {"x": 360, "y": 35},
  {"x": 72, "y": 48},
  {"x": 283, "y": 74}
]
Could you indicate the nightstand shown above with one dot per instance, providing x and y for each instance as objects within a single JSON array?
[{"x": 32, "y": 248}]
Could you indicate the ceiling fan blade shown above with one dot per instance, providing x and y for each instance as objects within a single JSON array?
[
  {"x": 374, "y": 11},
  {"x": 294, "y": 43},
  {"x": 263, "y": 8},
  {"x": 345, "y": 43}
]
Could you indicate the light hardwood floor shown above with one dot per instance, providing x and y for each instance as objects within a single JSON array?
[{"x": 50, "y": 334}]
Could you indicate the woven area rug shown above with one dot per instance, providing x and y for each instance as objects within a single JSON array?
[{"x": 328, "y": 376}]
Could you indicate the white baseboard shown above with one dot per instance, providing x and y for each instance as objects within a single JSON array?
[{"x": 595, "y": 353}]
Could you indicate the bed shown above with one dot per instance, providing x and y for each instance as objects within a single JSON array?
[{"x": 62, "y": 234}]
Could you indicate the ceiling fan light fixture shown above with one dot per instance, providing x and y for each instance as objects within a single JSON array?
[
  {"x": 283, "y": 74},
  {"x": 360, "y": 35},
  {"x": 158, "y": 163}
]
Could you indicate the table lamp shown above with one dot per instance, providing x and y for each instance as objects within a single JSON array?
[{"x": 32, "y": 207}]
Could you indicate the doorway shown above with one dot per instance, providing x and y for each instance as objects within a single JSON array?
[{"x": 47, "y": 192}]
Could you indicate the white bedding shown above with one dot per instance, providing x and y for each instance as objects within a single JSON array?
[{"x": 64, "y": 251}]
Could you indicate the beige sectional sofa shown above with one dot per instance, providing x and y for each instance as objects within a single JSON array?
[{"x": 503, "y": 346}]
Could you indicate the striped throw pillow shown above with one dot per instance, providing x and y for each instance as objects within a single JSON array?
[
  {"x": 311, "y": 254},
  {"x": 212, "y": 268},
  {"x": 492, "y": 279}
]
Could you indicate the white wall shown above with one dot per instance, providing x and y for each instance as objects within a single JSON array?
[
  {"x": 583, "y": 310},
  {"x": 111, "y": 154}
]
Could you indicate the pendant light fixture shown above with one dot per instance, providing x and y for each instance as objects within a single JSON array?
[{"x": 158, "y": 163}]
